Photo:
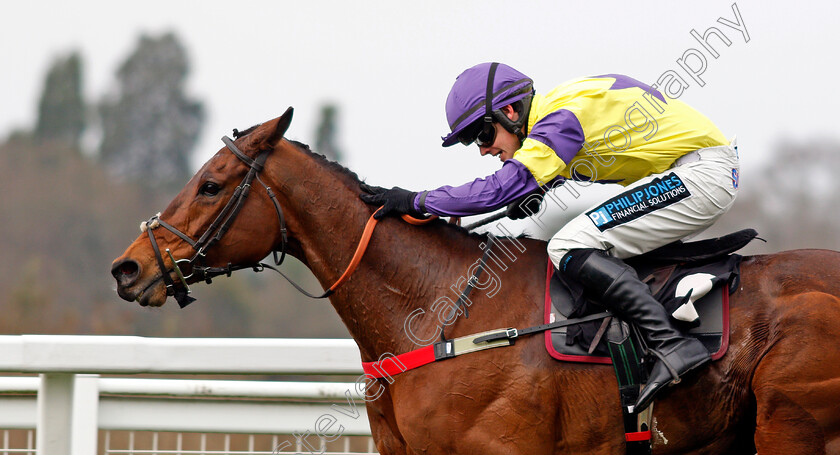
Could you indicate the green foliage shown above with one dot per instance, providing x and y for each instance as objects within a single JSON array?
[
  {"x": 61, "y": 109},
  {"x": 150, "y": 128}
]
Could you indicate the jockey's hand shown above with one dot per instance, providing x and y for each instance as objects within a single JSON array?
[
  {"x": 396, "y": 200},
  {"x": 525, "y": 206}
]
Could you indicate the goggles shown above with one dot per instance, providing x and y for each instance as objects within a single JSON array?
[{"x": 481, "y": 132}]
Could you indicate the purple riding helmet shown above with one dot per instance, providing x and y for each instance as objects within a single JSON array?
[{"x": 466, "y": 108}]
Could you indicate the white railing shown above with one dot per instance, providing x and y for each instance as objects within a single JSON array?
[{"x": 74, "y": 402}]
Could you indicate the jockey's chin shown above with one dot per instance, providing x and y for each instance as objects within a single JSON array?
[
  {"x": 500, "y": 153},
  {"x": 505, "y": 155}
]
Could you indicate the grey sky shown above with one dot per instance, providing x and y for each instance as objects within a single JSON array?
[{"x": 389, "y": 65}]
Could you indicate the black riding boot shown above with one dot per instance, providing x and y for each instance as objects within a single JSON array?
[{"x": 617, "y": 286}]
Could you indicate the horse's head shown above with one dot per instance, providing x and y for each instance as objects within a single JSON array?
[{"x": 218, "y": 219}]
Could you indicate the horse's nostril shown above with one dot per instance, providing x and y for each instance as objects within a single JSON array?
[{"x": 125, "y": 271}]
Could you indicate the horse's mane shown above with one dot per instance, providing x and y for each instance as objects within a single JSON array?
[
  {"x": 354, "y": 180},
  {"x": 332, "y": 165}
]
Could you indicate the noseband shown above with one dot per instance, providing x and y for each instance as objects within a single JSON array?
[{"x": 214, "y": 233}]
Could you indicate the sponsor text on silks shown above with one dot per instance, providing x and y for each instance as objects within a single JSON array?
[{"x": 639, "y": 201}]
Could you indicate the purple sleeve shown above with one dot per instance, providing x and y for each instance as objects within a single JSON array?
[
  {"x": 561, "y": 131},
  {"x": 507, "y": 184}
]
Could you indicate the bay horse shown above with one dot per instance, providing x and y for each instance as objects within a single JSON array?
[{"x": 776, "y": 391}]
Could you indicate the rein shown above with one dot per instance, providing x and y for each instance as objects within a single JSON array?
[
  {"x": 222, "y": 224},
  {"x": 483, "y": 221}
]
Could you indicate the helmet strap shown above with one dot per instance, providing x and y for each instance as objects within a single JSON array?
[
  {"x": 488, "y": 101},
  {"x": 515, "y": 127},
  {"x": 491, "y": 115}
]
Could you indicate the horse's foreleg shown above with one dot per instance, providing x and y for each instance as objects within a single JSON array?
[
  {"x": 797, "y": 382},
  {"x": 382, "y": 429}
]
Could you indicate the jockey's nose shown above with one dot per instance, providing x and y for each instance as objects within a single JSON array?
[
  {"x": 125, "y": 271},
  {"x": 483, "y": 150}
]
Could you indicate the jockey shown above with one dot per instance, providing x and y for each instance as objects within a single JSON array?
[{"x": 679, "y": 172}]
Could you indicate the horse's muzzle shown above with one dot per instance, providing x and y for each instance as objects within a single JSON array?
[{"x": 127, "y": 272}]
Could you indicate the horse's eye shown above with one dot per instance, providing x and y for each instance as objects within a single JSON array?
[{"x": 209, "y": 189}]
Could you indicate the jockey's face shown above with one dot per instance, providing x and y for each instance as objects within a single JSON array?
[{"x": 506, "y": 143}]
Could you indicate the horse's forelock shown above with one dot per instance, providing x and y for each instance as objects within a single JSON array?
[{"x": 237, "y": 134}]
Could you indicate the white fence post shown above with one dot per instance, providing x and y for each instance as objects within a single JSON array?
[
  {"x": 85, "y": 429},
  {"x": 55, "y": 414}
]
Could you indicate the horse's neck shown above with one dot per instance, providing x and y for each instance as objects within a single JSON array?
[{"x": 402, "y": 270}]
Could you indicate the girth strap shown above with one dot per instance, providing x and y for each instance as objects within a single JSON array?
[
  {"x": 465, "y": 294},
  {"x": 390, "y": 365},
  {"x": 396, "y": 364},
  {"x": 513, "y": 333},
  {"x": 629, "y": 375}
]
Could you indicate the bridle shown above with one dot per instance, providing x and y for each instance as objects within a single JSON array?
[
  {"x": 214, "y": 233},
  {"x": 180, "y": 290}
]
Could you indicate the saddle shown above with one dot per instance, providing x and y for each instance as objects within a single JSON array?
[{"x": 692, "y": 280}]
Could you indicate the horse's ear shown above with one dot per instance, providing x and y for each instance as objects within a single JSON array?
[
  {"x": 272, "y": 131},
  {"x": 283, "y": 123}
]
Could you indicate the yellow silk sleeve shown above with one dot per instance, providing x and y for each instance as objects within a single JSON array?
[{"x": 540, "y": 159}]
